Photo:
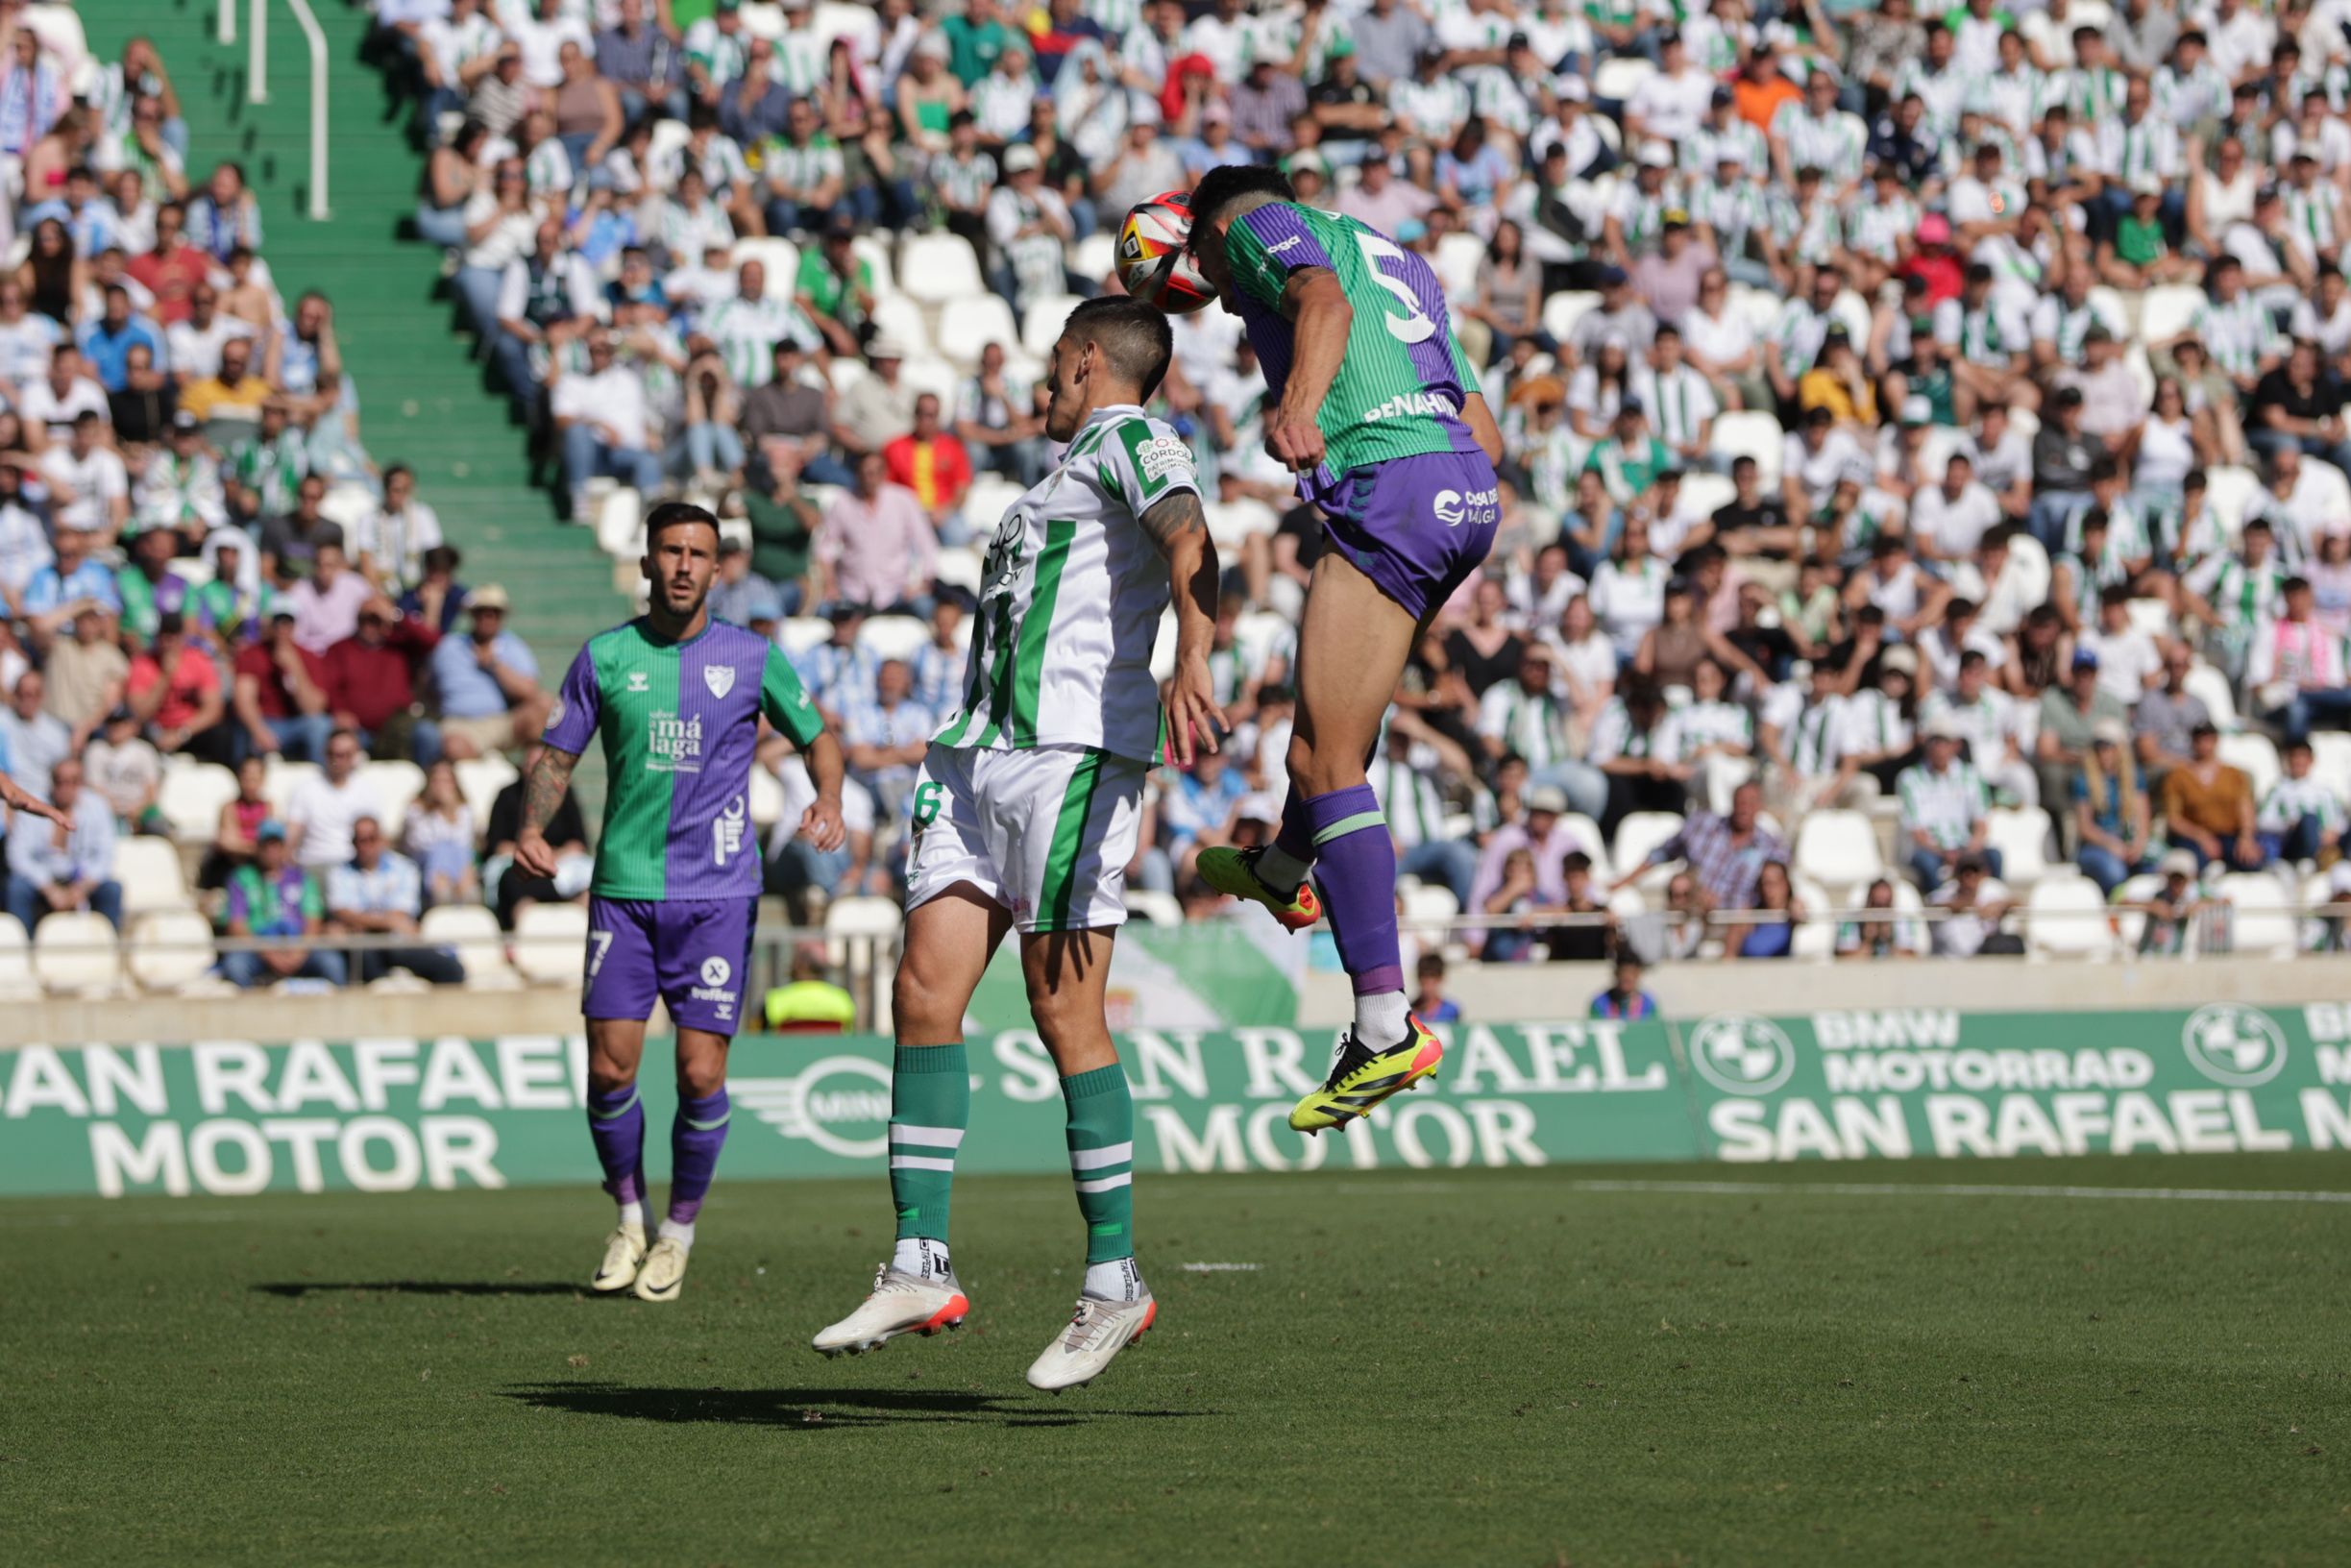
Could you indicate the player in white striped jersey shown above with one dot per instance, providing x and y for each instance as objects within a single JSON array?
[{"x": 1026, "y": 814}]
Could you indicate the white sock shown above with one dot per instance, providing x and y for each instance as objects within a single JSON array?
[
  {"x": 922, "y": 1256},
  {"x": 1281, "y": 872},
  {"x": 1118, "y": 1280},
  {"x": 1379, "y": 1019},
  {"x": 682, "y": 1234},
  {"x": 632, "y": 1217}
]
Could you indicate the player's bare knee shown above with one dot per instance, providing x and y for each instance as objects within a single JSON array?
[
  {"x": 701, "y": 1073},
  {"x": 916, "y": 1009},
  {"x": 606, "y": 1073}
]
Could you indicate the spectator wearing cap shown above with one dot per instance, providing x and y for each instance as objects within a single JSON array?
[
  {"x": 371, "y": 686},
  {"x": 2179, "y": 900},
  {"x": 738, "y": 594},
  {"x": 1547, "y": 837},
  {"x": 2207, "y": 807},
  {"x": 378, "y": 892},
  {"x": 1027, "y": 225},
  {"x": 173, "y": 689},
  {"x": 57, "y": 867},
  {"x": 2068, "y": 715},
  {"x": 275, "y": 898},
  {"x": 1945, "y": 810},
  {"x": 488, "y": 682},
  {"x": 879, "y": 409}
]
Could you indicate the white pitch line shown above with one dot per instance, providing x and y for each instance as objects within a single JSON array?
[{"x": 1956, "y": 1189}]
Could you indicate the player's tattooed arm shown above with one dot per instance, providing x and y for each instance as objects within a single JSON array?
[
  {"x": 1178, "y": 526},
  {"x": 542, "y": 791}
]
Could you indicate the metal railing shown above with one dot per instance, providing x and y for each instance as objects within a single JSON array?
[{"x": 256, "y": 80}]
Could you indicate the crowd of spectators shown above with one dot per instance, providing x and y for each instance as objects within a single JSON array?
[{"x": 1936, "y": 417}]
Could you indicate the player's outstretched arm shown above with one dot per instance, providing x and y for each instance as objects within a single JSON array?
[
  {"x": 821, "y": 823},
  {"x": 542, "y": 791},
  {"x": 1179, "y": 527},
  {"x": 1320, "y": 319},
  {"x": 18, "y": 797}
]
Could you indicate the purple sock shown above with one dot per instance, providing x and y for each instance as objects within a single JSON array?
[
  {"x": 1355, "y": 866},
  {"x": 616, "y": 1121},
  {"x": 696, "y": 1135},
  {"x": 1296, "y": 836}
]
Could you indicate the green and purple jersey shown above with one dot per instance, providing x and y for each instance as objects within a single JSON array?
[
  {"x": 1399, "y": 391},
  {"x": 679, "y": 723}
]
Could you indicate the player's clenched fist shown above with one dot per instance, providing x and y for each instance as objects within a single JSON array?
[
  {"x": 1294, "y": 441},
  {"x": 821, "y": 826}
]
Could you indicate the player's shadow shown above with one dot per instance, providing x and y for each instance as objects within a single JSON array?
[
  {"x": 296, "y": 1290},
  {"x": 813, "y": 1409}
]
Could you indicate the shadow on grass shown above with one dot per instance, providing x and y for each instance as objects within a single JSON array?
[
  {"x": 296, "y": 1290},
  {"x": 814, "y": 1409}
]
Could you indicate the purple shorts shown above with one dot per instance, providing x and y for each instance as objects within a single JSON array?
[
  {"x": 694, "y": 954},
  {"x": 1418, "y": 525}
]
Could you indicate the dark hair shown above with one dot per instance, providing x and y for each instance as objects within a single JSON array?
[
  {"x": 671, "y": 514},
  {"x": 1134, "y": 336},
  {"x": 1219, "y": 189}
]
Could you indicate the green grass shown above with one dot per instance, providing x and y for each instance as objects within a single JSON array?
[{"x": 1434, "y": 1367}]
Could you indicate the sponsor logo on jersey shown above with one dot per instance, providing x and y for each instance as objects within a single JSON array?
[
  {"x": 1161, "y": 455},
  {"x": 639, "y": 681},
  {"x": 1407, "y": 404},
  {"x": 718, "y": 678},
  {"x": 1453, "y": 508},
  {"x": 554, "y": 714},
  {"x": 726, "y": 832},
  {"x": 717, "y": 971},
  {"x": 1277, "y": 250},
  {"x": 673, "y": 745},
  {"x": 714, "y": 989}
]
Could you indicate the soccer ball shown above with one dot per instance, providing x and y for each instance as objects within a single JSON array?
[{"x": 1152, "y": 262}]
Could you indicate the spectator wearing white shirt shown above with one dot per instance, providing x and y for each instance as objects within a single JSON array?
[
  {"x": 393, "y": 538},
  {"x": 601, "y": 418},
  {"x": 1993, "y": 725},
  {"x": 89, "y": 485},
  {"x": 1950, "y": 521},
  {"x": 324, "y": 806}
]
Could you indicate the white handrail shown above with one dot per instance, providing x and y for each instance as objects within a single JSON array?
[
  {"x": 256, "y": 81},
  {"x": 317, "y": 39},
  {"x": 256, "y": 53},
  {"x": 226, "y": 29}
]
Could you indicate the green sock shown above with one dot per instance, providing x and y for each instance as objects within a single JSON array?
[
  {"x": 930, "y": 1104},
  {"x": 1102, "y": 1159}
]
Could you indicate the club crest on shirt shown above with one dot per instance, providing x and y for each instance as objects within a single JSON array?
[{"x": 718, "y": 678}]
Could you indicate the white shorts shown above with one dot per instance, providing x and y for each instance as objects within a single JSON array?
[{"x": 1046, "y": 833}]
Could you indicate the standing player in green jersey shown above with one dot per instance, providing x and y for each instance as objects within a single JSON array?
[
  {"x": 675, "y": 699},
  {"x": 1371, "y": 404},
  {"x": 1028, "y": 810}
]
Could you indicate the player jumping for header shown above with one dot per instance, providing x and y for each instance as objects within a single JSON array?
[
  {"x": 1028, "y": 813},
  {"x": 675, "y": 699},
  {"x": 1373, "y": 405}
]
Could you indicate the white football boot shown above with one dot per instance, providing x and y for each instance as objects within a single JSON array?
[
  {"x": 901, "y": 1303},
  {"x": 623, "y": 1255},
  {"x": 664, "y": 1274},
  {"x": 1098, "y": 1331}
]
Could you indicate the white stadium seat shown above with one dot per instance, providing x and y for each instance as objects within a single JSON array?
[
  {"x": 479, "y": 944},
  {"x": 938, "y": 268},
  {"x": 764, "y": 20},
  {"x": 148, "y": 869},
  {"x": 168, "y": 948},
  {"x": 859, "y": 920},
  {"x": 551, "y": 943},
  {"x": 2075, "y": 925},
  {"x": 480, "y": 780},
  {"x": 1093, "y": 257},
  {"x": 2261, "y": 922},
  {"x": 767, "y": 799},
  {"x": 1040, "y": 327},
  {"x": 802, "y": 632},
  {"x": 1703, "y": 493},
  {"x": 77, "y": 953},
  {"x": 958, "y": 565},
  {"x": 1641, "y": 832},
  {"x": 1619, "y": 78},
  {"x": 191, "y": 796},
  {"x": 278, "y": 780},
  {"x": 2167, "y": 311},
  {"x": 935, "y": 375},
  {"x": 2331, "y": 760},
  {"x": 2228, "y": 491},
  {"x": 2021, "y": 837},
  {"x": 1839, "y": 850},
  {"x": 16, "y": 981},
  {"x": 898, "y": 317},
  {"x": 1563, "y": 310},
  {"x": 1748, "y": 434},
  {"x": 2256, "y": 755},
  {"x": 397, "y": 785},
  {"x": 1457, "y": 256},
  {"x": 1585, "y": 834},
  {"x": 892, "y": 636},
  {"x": 1230, "y": 522},
  {"x": 780, "y": 257},
  {"x": 985, "y": 503},
  {"x": 967, "y": 326},
  {"x": 858, "y": 24},
  {"x": 875, "y": 255},
  {"x": 619, "y": 524},
  {"x": 1157, "y": 908},
  {"x": 1428, "y": 908}
]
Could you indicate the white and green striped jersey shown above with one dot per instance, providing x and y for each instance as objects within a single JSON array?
[
  {"x": 1945, "y": 806},
  {"x": 1071, "y": 599},
  {"x": 1116, "y": 17},
  {"x": 2185, "y": 97},
  {"x": 1702, "y": 151},
  {"x": 1943, "y": 92},
  {"x": 2092, "y": 97},
  {"x": 803, "y": 62},
  {"x": 745, "y": 333},
  {"x": 2239, "y": 334},
  {"x": 1530, "y": 723},
  {"x": 1410, "y": 800},
  {"x": 2313, "y": 216},
  {"x": 2244, "y": 595},
  {"x": 1695, "y": 725},
  {"x": 1832, "y": 143},
  {"x": 790, "y": 167},
  {"x": 1877, "y": 228},
  {"x": 2291, "y": 799},
  {"x": 1679, "y": 402},
  {"x": 1813, "y": 745}
]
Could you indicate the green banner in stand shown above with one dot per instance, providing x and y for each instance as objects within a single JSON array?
[
  {"x": 1932, "y": 1083},
  {"x": 227, "y": 1117}
]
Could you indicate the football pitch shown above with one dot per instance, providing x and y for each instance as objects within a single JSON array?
[{"x": 1861, "y": 1363}]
